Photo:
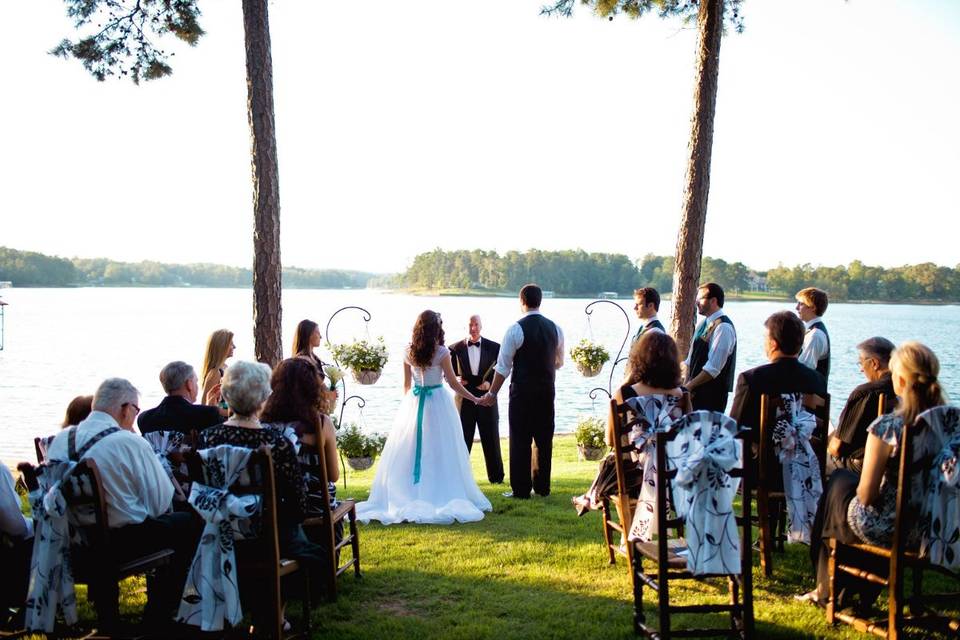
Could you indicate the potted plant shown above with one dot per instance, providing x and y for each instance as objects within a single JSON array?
[
  {"x": 364, "y": 358},
  {"x": 589, "y": 357},
  {"x": 359, "y": 449},
  {"x": 590, "y": 438}
]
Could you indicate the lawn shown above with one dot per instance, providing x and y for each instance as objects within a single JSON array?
[{"x": 530, "y": 569}]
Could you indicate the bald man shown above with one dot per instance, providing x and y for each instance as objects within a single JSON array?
[{"x": 473, "y": 360}]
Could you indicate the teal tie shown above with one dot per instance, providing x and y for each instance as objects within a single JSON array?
[
  {"x": 701, "y": 329},
  {"x": 423, "y": 393}
]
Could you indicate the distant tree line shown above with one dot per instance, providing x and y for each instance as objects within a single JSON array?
[
  {"x": 30, "y": 269},
  {"x": 856, "y": 281}
]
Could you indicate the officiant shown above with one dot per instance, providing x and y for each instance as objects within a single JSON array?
[{"x": 473, "y": 359}]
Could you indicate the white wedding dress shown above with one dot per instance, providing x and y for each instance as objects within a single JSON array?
[{"x": 445, "y": 490}]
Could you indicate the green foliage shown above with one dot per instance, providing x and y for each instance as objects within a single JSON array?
[
  {"x": 353, "y": 443},
  {"x": 363, "y": 355},
  {"x": 565, "y": 272},
  {"x": 589, "y": 355},
  {"x": 120, "y": 35},
  {"x": 684, "y": 9},
  {"x": 30, "y": 269},
  {"x": 590, "y": 433}
]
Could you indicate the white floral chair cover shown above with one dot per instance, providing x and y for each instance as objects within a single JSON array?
[
  {"x": 802, "y": 485},
  {"x": 211, "y": 594},
  {"x": 654, "y": 413},
  {"x": 703, "y": 453},
  {"x": 164, "y": 443},
  {"x": 940, "y": 514},
  {"x": 51, "y": 577}
]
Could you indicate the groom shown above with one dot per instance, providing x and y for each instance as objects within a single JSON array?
[{"x": 533, "y": 349}]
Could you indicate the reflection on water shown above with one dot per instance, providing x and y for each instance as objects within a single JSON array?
[{"x": 63, "y": 342}]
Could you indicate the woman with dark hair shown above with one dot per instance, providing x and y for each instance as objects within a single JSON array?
[
  {"x": 307, "y": 338},
  {"x": 652, "y": 389},
  {"x": 77, "y": 411},
  {"x": 424, "y": 473}
]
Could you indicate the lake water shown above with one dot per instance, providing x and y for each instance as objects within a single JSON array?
[{"x": 61, "y": 343}]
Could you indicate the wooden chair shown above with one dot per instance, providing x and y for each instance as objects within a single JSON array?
[
  {"x": 901, "y": 556},
  {"x": 629, "y": 479},
  {"x": 771, "y": 516},
  {"x": 670, "y": 566},
  {"x": 40, "y": 445},
  {"x": 325, "y": 526},
  {"x": 259, "y": 563},
  {"x": 94, "y": 562}
]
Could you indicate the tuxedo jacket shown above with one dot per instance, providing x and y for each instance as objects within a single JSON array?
[
  {"x": 175, "y": 413},
  {"x": 784, "y": 375},
  {"x": 489, "y": 352}
]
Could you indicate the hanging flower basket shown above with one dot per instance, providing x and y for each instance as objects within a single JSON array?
[
  {"x": 590, "y": 453},
  {"x": 589, "y": 357},
  {"x": 359, "y": 449},
  {"x": 365, "y": 376},
  {"x": 589, "y": 435},
  {"x": 360, "y": 464},
  {"x": 364, "y": 358}
]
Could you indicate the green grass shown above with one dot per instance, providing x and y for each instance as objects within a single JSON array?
[{"x": 530, "y": 569}]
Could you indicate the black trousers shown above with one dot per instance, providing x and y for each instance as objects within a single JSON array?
[
  {"x": 531, "y": 416},
  {"x": 709, "y": 399},
  {"x": 15, "y": 559},
  {"x": 488, "y": 421}
]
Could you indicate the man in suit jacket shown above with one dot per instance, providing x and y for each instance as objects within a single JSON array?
[
  {"x": 784, "y": 374},
  {"x": 473, "y": 361},
  {"x": 177, "y": 412},
  {"x": 646, "y": 304}
]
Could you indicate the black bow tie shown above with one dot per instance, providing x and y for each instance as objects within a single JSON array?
[{"x": 473, "y": 344}]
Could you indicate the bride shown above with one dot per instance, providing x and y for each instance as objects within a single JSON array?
[{"x": 424, "y": 473}]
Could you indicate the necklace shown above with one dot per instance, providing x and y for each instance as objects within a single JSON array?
[{"x": 245, "y": 423}]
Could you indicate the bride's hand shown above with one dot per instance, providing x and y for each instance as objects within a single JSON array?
[{"x": 475, "y": 399}]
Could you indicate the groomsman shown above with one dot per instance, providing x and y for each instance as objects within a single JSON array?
[
  {"x": 533, "y": 350},
  {"x": 811, "y": 305},
  {"x": 646, "y": 304},
  {"x": 713, "y": 352},
  {"x": 473, "y": 360}
]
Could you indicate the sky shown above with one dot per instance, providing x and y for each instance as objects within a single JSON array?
[{"x": 406, "y": 126}]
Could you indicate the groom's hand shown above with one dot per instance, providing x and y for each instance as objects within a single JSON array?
[{"x": 487, "y": 400}]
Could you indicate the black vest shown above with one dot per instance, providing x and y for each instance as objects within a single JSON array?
[
  {"x": 823, "y": 364},
  {"x": 698, "y": 357},
  {"x": 656, "y": 324},
  {"x": 535, "y": 363}
]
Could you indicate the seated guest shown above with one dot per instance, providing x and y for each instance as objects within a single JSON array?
[
  {"x": 245, "y": 388},
  {"x": 653, "y": 370},
  {"x": 811, "y": 305},
  {"x": 177, "y": 412},
  {"x": 16, "y": 545},
  {"x": 77, "y": 411},
  {"x": 784, "y": 374},
  {"x": 138, "y": 492},
  {"x": 646, "y": 304},
  {"x": 847, "y": 443},
  {"x": 219, "y": 348},
  {"x": 863, "y": 509}
]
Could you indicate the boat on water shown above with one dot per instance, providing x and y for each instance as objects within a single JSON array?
[{"x": 608, "y": 295}]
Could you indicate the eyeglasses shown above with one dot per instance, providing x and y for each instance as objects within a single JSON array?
[{"x": 130, "y": 404}]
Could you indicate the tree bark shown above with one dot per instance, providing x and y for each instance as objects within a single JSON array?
[
  {"x": 266, "y": 188},
  {"x": 693, "y": 220}
]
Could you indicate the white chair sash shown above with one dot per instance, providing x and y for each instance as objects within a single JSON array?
[
  {"x": 802, "y": 485},
  {"x": 940, "y": 519},
  {"x": 211, "y": 594},
  {"x": 703, "y": 453},
  {"x": 51, "y": 578},
  {"x": 655, "y": 413},
  {"x": 164, "y": 443}
]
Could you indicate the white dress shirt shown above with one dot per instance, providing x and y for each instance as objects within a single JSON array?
[
  {"x": 12, "y": 520},
  {"x": 645, "y": 321},
  {"x": 513, "y": 340},
  {"x": 815, "y": 345},
  {"x": 135, "y": 483},
  {"x": 722, "y": 342},
  {"x": 473, "y": 353}
]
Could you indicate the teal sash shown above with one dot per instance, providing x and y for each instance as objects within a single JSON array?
[{"x": 423, "y": 393}]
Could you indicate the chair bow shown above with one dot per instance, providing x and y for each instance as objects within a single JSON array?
[
  {"x": 802, "y": 485},
  {"x": 211, "y": 594},
  {"x": 654, "y": 413},
  {"x": 51, "y": 577},
  {"x": 940, "y": 519},
  {"x": 703, "y": 453}
]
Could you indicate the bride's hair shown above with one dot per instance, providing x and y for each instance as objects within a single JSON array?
[{"x": 427, "y": 334}]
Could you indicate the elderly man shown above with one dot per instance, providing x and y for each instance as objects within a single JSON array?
[
  {"x": 712, "y": 359},
  {"x": 811, "y": 305},
  {"x": 646, "y": 304},
  {"x": 137, "y": 491},
  {"x": 847, "y": 444},
  {"x": 177, "y": 412}
]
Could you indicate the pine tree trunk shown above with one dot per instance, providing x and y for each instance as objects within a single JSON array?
[
  {"x": 266, "y": 189},
  {"x": 697, "y": 189}
]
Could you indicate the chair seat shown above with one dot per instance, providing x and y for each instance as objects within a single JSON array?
[
  {"x": 345, "y": 507},
  {"x": 146, "y": 563},
  {"x": 912, "y": 555},
  {"x": 651, "y": 551},
  {"x": 288, "y": 566}
]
